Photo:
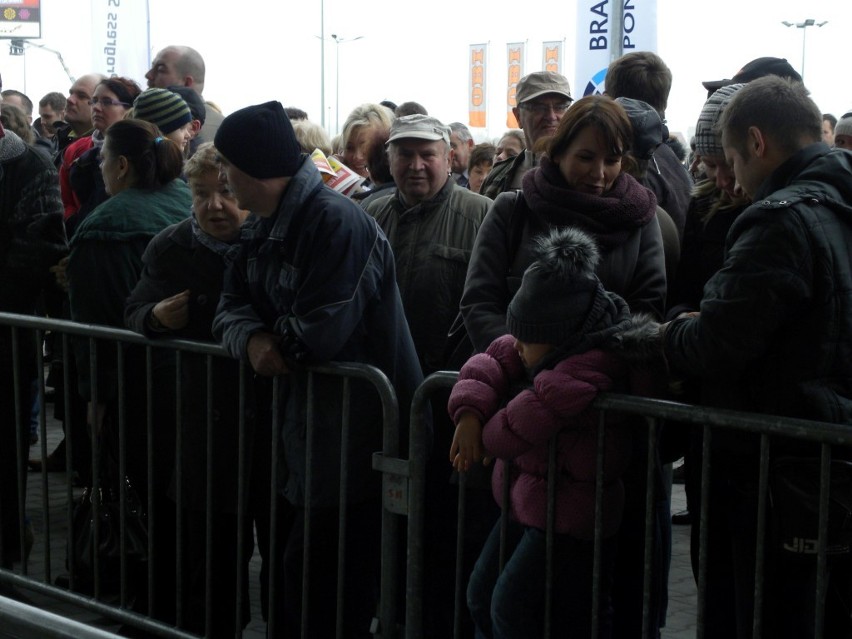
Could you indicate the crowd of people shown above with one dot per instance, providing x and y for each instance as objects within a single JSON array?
[{"x": 584, "y": 252}]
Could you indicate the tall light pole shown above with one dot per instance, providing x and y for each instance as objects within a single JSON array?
[
  {"x": 337, "y": 40},
  {"x": 322, "y": 61},
  {"x": 809, "y": 22}
]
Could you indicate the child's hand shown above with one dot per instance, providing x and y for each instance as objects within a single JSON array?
[{"x": 467, "y": 442}]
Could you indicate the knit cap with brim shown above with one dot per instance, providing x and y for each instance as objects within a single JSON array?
[
  {"x": 167, "y": 110},
  {"x": 561, "y": 300},
  {"x": 708, "y": 138},
  {"x": 259, "y": 140}
]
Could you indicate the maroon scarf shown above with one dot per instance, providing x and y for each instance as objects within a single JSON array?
[{"x": 609, "y": 218}]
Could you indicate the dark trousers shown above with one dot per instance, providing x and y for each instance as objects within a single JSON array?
[
  {"x": 789, "y": 579},
  {"x": 361, "y": 576},
  {"x": 510, "y": 604}
]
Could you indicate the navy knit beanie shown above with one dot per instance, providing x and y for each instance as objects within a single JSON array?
[
  {"x": 259, "y": 140},
  {"x": 561, "y": 300}
]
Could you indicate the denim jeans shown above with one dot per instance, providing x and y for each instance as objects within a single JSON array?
[{"x": 510, "y": 605}]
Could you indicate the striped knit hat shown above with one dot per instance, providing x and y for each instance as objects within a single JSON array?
[
  {"x": 708, "y": 137},
  {"x": 167, "y": 110}
]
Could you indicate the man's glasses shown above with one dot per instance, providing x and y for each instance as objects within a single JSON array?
[
  {"x": 107, "y": 102},
  {"x": 543, "y": 108}
]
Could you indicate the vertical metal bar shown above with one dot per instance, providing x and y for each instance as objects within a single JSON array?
[
  {"x": 344, "y": 492},
  {"x": 760, "y": 536},
  {"x": 122, "y": 471},
  {"x": 208, "y": 508},
  {"x": 242, "y": 499},
  {"x": 822, "y": 543},
  {"x": 550, "y": 531},
  {"x": 179, "y": 489},
  {"x": 418, "y": 452},
  {"x": 600, "y": 458},
  {"x": 97, "y": 443},
  {"x": 149, "y": 446},
  {"x": 19, "y": 447},
  {"x": 458, "y": 600},
  {"x": 390, "y": 533},
  {"x": 650, "y": 520},
  {"x": 42, "y": 427},
  {"x": 275, "y": 434},
  {"x": 69, "y": 426},
  {"x": 504, "y": 513},
  {"x": 309, "y": 457},
  {"x": 703, "y": 520}
]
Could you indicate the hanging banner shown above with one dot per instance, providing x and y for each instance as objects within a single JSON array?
[
  {"x": 477, "y": 104},
  {"x": 20, "y": 19},
  {"x": 594, "y": 42},
  {"x": 120, "y": 42},
  {"x": 551, "y": 56},
  {"x": 515, "y": 63}
]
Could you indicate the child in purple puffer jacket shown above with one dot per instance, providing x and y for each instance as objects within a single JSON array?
[{"x": 569, "y": 340}]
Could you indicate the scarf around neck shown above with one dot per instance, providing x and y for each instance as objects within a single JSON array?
[
  {"x": 227, "y": 251},
  {"x": 609, "y": 218}
]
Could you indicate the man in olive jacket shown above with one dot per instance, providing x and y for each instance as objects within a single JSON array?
[
  {"x": 774, "y": 336},
  {"x": 431, "y": 223}
]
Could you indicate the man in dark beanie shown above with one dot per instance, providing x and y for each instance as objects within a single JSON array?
[{"x": 314, "y": 283}]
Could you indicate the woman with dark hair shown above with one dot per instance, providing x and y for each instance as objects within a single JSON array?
[
  {"x": 79, "y": 175},
  {"x": 582, "y": 182},
  {"x": 141, "y": 172}
]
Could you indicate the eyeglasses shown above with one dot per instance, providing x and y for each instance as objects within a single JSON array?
[
  {"x": 543, "y": 108},
  {"x": 107, "y": 102}
]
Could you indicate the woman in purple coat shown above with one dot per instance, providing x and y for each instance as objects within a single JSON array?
[{"x": 537, "y": 383}]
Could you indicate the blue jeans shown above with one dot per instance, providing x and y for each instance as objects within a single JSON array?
[{"x": 510, "y": 605}]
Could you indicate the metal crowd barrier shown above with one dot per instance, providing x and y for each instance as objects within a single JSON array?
[
  {"x": 403, "y": 488},
  {"x": 655, "y": 413},
  {"x": 119, "y": 609}
]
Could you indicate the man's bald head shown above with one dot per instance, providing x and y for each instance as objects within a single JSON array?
[{"x": 177, "y": 65}]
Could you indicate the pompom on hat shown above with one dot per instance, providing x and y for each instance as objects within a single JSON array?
[
  {"x": 708, "y": 138},
  {"x": 561, "y": 300},
  {"x": 167, "y": 110},
  {"x": 259, "y": 140}
]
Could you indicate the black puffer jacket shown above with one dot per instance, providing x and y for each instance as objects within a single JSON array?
[{"x": 775, "y": 330}]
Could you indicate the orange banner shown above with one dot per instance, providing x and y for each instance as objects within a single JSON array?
[
  {"x": 476, "y": 86},
  {"x": 515, "y": 61},
  {"x": 551, "y": 56}
]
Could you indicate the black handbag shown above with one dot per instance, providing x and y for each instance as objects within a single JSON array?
[
  {"x": 794, "y": 487},
  {"x": 81, "y": 550}
]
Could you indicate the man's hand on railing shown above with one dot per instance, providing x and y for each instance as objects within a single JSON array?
[
  {"x": 171, "y": 313},
  {"x": 264, "y": 354}
]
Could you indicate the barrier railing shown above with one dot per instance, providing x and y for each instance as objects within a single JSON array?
[
  {"x": 403, "y": 486},
  {"x": 120, "y": 608},
  {"x": 655, "y": 413}
]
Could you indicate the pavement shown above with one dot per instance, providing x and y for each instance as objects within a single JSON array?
[{"x": 47, "y": 559}]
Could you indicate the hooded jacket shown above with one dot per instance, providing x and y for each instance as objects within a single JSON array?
[{"x": 775, "y": 330}]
